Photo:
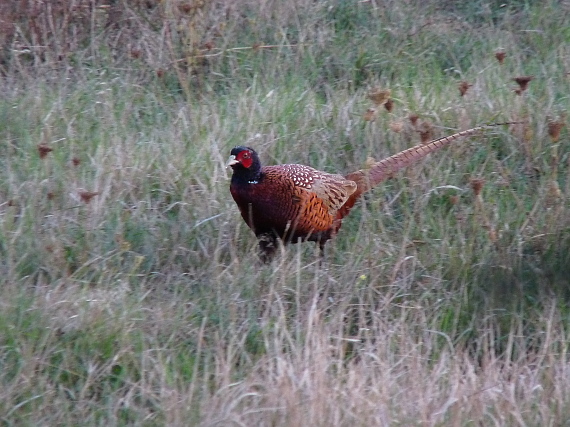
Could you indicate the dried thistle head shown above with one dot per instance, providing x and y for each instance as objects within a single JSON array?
[
  {"x": 396, "y": 126},
  {"x": 464, "y": 87},
  {"x": 389, "y": 105},
  {"x": 554, "y": 129},
  {"x": 209, "y": 45},
  {"x": 477, "y": 185},
  {"x": 160, "y": 73},
  {"x": 370, "y": 114},
  {"x": 413, "y": 119},
  {"x": 86, "y": 196},
  {"x": 425, "y": 130},
  {"x": 185, "y": 8},
  {"x": 76, "y": 161},
  {"x": 500, "y": 55},
  {"x": 523, "y": 82},
  {"x": 379, "y": 96},
  {"x": 43, "y": 150}
]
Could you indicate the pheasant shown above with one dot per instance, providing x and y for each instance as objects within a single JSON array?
[{"x": 292, "y": 202}]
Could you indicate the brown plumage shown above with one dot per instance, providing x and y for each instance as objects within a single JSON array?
[{"x": 296, "y": 203}]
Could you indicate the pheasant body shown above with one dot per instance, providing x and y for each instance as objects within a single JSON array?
[
  {"x": 295, "y": 203},
  {"x": 292, "y": 202}
]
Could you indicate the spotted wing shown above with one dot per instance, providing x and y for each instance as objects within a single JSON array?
[{"x": 334, "y": 190}]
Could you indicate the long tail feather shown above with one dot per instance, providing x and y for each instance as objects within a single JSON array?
[{"x": 368, "y": 178}]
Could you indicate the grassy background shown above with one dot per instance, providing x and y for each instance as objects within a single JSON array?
[{"x": 131, "y": 293}]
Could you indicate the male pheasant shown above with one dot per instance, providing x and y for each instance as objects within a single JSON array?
[{"x": 295, "y": 203}]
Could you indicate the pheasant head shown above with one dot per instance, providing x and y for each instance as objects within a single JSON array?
[{"x": 245, "y": 163}]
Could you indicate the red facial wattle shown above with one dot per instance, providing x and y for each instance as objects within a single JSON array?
[{"x": 245, "y": 158}]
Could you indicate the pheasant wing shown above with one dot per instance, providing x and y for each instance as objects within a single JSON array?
[{"x": 334, "y": 190}]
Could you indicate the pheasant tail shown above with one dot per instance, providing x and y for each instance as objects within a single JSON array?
[{"x": 368, "y": 178}]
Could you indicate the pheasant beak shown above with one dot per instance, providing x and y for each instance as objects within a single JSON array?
[{"x": 232, "y": 161}]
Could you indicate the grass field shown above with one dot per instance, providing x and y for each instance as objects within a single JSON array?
[{"x": 130, "y": 288}]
